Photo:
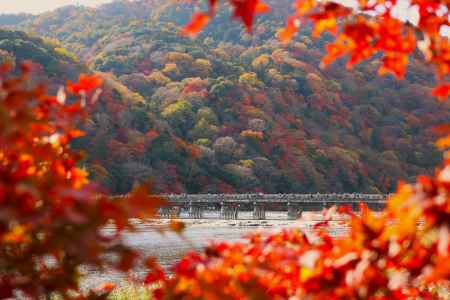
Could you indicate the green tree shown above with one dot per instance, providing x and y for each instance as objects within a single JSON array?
[{"x": 179, "y": 115}]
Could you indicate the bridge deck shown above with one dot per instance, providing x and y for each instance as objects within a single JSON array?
[
  {"x": 277, "y": 198},
  {"x": 230, "y": 205}
]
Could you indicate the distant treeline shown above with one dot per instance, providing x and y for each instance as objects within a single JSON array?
[{"x": 14, "y": 19}]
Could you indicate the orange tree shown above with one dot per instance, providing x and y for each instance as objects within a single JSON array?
[
  {"x": 51, "y": 218},
  {"x": 385, "y": 255}
]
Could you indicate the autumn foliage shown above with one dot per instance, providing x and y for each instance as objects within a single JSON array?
[
  {"x": 51, "y": 217},
  {"x": 366, "y": 29}
]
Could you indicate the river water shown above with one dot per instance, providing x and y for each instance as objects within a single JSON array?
[{"x": 169, "y": 247}]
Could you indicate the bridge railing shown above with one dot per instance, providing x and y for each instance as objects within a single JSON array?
[{"x": 277, "y": 198}]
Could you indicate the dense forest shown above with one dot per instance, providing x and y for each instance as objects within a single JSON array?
[{"x": 229, "y": 111}]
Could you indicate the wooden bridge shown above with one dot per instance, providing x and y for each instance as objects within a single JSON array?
[{"x": 230, "y": 205}]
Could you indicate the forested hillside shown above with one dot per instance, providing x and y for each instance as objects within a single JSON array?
[
  {"x": 229, "y": 111},
  {"x": 56, "y": 63}
]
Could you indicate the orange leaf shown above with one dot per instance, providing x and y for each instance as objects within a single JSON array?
[
  {"x": 442, "y": 92},
  {"x": 334, "y": 50},
  {"x": 394, "y": 63},
  {"x": 442, "y": 129},
  {"x": 86, "y": 83},
  {"x": 443, "y": 143},
  {"x": 321, "y": 25},
  {"x": 17, "y": 235},
  {"x": 79, "y": 177},
  {"x": 177, "y": 226},
  {"x": 304, "y": 6},
  {"x": 287, "y": 33},
  {"x": 76, "y": 133},
  {"x": 246, "y": 11},
  {"x": 106, "y": 287},
  {"x": 262, "y": 8},
  {"x": 198, "y": 22},
  {"x": 141, "y": 203}
]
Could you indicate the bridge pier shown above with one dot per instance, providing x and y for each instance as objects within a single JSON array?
[
  {"x": 229, "y": 212},
  {"x": 293, "y": 211},
  {"x": 169, "y": 212},
  {"x": 176, "y": 211},
  {"x": 165, "y": 212},
  {"x": 259, "y": 211},
  {"x": 195, "y": 211}
]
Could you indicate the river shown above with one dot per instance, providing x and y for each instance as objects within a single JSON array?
[{"x": 169, "y": 247}]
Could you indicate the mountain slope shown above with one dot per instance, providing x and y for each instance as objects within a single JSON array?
[{"x": 230, "y": 111}]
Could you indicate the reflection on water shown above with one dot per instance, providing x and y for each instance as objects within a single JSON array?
[{"x": 170, "y": 247}]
